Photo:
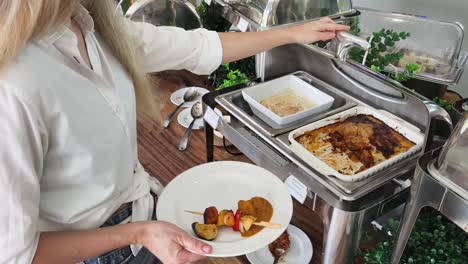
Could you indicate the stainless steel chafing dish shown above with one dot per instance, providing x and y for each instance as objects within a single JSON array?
[
  {"x": 345, "y": 207},
  {"x": 269, "y": 13},
  {"x": 178, "y": 13}
]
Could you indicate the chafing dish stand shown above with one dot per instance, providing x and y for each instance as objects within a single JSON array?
[
  {"x": 444, "y": 191},
  {"x": 344, "y": 216}
]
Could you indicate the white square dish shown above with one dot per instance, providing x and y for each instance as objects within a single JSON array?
[
  {"x": 253, "y": 95},
  {"x": 406, "y": 129}
]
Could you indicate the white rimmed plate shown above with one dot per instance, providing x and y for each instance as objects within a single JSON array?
[
  {"x": 184, "y": 118},
  {"x": 177, "y": 97},
  {"x": 222, "y": 184},
  {"x": 300, "y": 251}
]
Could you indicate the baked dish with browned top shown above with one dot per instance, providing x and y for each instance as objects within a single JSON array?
[{"x": 355, "y": 144}]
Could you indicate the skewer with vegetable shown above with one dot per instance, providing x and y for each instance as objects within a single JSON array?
[{"x": 250, "y": 218}]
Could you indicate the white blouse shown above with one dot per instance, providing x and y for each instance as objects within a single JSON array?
[{"x": 68, "y": 148}]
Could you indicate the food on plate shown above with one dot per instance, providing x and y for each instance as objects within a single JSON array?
[
  {"x": 355, "y": 144},
  {"x": 210, "y": 216},
  {"x": 246, "y": 223},
  {"x": 226, "y": 218},
  {"x": 428, "y": 64},
  {"x": 250, "y": 218},
  {"x": 207, "y": 232},
  {"x": 280, "y": 246},
  {"x": 258, "y": 207},
  {"x": 287, "y": 103}
]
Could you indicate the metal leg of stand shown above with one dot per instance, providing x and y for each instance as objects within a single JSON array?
[
  {"x": 424, "y": 192},
  {"x": 209, "y": 142},
  {"x": 342, "y": 234}
]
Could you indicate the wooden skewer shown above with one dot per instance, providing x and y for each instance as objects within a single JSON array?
[
  {"x": 268, "y": 224},
  {"x": 261, "y": 223},
  {"x": 193, "y": 212}
]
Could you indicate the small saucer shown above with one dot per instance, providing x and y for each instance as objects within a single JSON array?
[
  {"x": 300, "y": 251},
  {"x": 177, "y": 97},
  {"x": 184, "y": 118}
]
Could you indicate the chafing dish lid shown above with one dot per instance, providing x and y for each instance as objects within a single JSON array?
[
  {"x": 435, "y": 45},
  {"x": 178, "y": 13},
  {"x": 452, "y": 163},
  {"x": 268, "y": 13}
]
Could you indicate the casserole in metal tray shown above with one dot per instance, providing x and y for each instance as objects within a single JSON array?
[
  {"x": 405, "y": 129},
  {"x": 277, "y": 90},
  {"x": 236, "y": 104}
]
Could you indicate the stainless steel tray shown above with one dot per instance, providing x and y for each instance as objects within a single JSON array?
[
  {"x": 341, "y": 103},
  {"x": 279, "y": 142}
]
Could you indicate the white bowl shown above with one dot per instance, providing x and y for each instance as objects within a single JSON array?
[{"x": 253, "y": 95}]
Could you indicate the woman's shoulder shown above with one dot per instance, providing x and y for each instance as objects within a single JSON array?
[{"x": 28, "y": 76}]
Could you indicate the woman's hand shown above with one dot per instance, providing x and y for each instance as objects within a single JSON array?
[
  {"x": 171, "y": 244},
  {"x": 323, "y": 29}
]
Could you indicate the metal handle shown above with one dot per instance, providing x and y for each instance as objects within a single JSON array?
[
  {"x": 185, "y": 138},
  {"x": 345, "y": 41},
  {"x": 169, "y": 118}
]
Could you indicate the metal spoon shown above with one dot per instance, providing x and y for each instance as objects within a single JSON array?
[
  {"x": 190, "y": 95},
  {"x": 279, "y": 252},
  {"x": 196, "y": 112}
]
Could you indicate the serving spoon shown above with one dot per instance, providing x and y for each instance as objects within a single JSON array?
[
  {"x": 196, "y": 112},
  {"x": 190, "y": 95}
]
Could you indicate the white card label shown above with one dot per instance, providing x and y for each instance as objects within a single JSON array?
[
  {"x": 242, "y": 25},
  {"x": 208, "y": 2},
  {"x": 211, "y": 117},
  {"x": 297, "y": 189}
]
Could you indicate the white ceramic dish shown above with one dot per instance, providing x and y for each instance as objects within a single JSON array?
[
  {"x": 253, "y": 95},
  {"x": 177, "y": 97},
  {"x": 185, "y": 118},
  {"x": 222, "y": 184},
  {"x": 406, "y": 129},
  {"x": 300, "y": 251}
]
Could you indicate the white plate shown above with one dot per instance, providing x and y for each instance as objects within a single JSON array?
[
  {"x": 222, "y": 184},
  {"x": 300, "y": 252},
  {"x": 184, "y": 118},
  {"x": 177, "y": 97}
]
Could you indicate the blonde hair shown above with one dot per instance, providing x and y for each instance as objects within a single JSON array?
[{"x": 22, "y": 21}]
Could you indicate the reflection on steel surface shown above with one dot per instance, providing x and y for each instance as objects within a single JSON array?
[{"x": 178, "y": 13}]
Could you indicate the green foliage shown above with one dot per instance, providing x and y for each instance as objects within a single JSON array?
[
  {"x": 379, "y": 55},
  {"x": 211, "y": 16},
  {"x": 233, "y": 77},
  {"x": 407, "y": 74},
  {"x": 353, "y": 23},
  {"x": 447, "y": 105},
  {"x": 434, "y": 240},
  {"x": 232, "y": 73}
]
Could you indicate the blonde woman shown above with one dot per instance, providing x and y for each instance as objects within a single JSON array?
[{"x": 71, "y": 75}]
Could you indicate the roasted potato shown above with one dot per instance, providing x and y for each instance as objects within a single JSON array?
[
  {"x": 206, "y": 232},
  {"x": 229, "y": 219},
  {"x": 221, "y": 217},
  {"x": 210, "y": 216},
  {"x": 247, "y": 222}
]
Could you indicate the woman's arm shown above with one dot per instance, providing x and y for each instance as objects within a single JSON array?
[
  {"x": 237, "y": 46},
  {"x": 169, "y": 243},
  {"x": 76, "y": 246},
  {"x": 202, "y": 51}
]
